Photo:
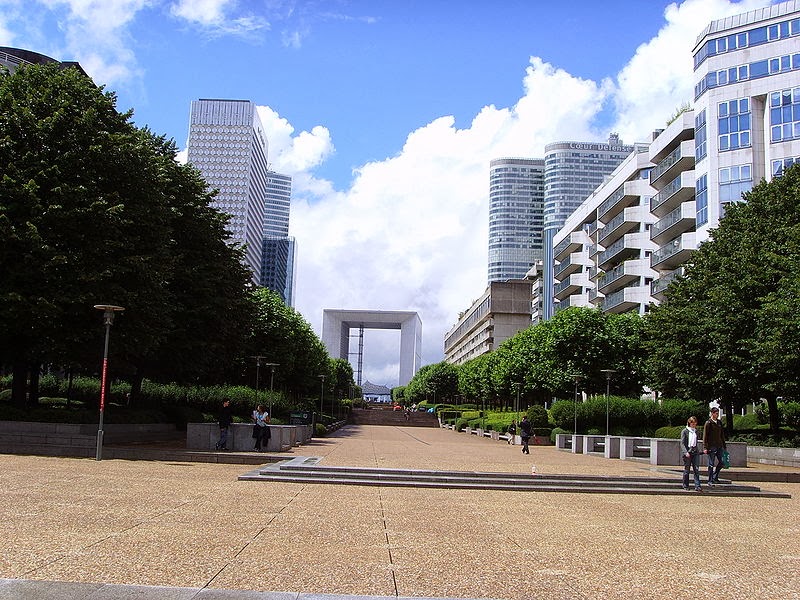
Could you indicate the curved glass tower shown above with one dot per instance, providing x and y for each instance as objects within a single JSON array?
[{"x": 516, "y": 197}]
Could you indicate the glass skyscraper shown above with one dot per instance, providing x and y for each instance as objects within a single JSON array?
[
  {"x": 280, "y": 250},
  {"x": 572, "y": 171},
  {"x": 516, "y": 202},
  {"x": 228, "y": 146}
]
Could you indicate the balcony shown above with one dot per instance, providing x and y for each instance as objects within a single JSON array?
[
  {"x": 674, "y": 253},
  {"x": 574, "y": 241},
  {"x": 571, "y": 285},
  {"x": 659, "y": 285},
  {"x": 623, "y": 300},
  {"x": 617, "y": 252},
  {"x": 571, "y": 264},
  {"x": 622, "y": 275},
  {"x": 626, "y": 221},
  {"x": 680, "y": 159},
  {"x": 627, "y": 194},
  {"x": 676, "y": 192},
  {"x": 676, "y": 222}
]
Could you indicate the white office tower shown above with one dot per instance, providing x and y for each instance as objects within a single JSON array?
[
  {"x": 227, "y": 144},
  {"x": 747, "y": 106},
  {"x": 516, "y": 208}
]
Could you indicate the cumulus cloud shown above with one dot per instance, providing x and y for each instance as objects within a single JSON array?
[{"x": 217, "y": 17}]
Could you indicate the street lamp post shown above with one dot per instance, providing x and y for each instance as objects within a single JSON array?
[
  {"x": 321, "y": 393},
  {"x": 271, "y": 366},
  {"x": 258, "y": 370},
  {"x": 609, "y": 373},
  {"x": 108, "y": 319},
  {"x": 575, "y": 406}
]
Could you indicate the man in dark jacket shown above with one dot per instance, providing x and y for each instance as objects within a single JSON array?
[
  {"x": 713, "y": 445},
  {"x": 225, "y": 420},
  {"x": 525, "y": 433}
]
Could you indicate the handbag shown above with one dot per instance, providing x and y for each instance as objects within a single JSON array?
[{"x": 726, "y": 459}]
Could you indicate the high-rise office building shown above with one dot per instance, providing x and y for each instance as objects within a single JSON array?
[
  {"x": 516, "y": 204},
  {"x": 227, "y": 144},
  {"x": 278, "y": 270},
  {"x": 572, "y": 171},
  {"x": 746, "y": 106},
  {"x": 279, "y": 199},
  {"x": 279, "y": 250}
]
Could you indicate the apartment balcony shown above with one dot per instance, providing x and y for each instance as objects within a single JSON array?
[
  {"x": 679, "y": 160},
  {"x": 676, "y": 222},
  {"x": 624, "y": 274},
  {"x": 627, "y": 194},
  {"x": 574, "y": 241},
  {"x": 571, "y": 264},
  {"x": 573, "y": 300},
  {"x": 674, "y": 252},
  {"x": 625, "y": 300},
  {"x": 659, "y": 285},
  {"x": 628, "y": 220},
  {"x": 620, "y": 250},
  {"x": 571, "y": 285},
  {"x": 676, "y": 192},
  {"x": 594, "y": 297}
]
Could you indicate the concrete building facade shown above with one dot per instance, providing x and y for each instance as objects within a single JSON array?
[
  {"x": 502, "y": 310},
  {"x": 572, "y": 171}
]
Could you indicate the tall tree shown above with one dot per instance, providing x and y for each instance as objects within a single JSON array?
[{"x": 729, "y": 327}]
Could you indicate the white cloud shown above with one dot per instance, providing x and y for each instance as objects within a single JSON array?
[
  {"x": 658, "y": 79},
  {"x": 216, "y": 17}
]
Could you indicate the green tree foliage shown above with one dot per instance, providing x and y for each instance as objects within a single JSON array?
[
  {"x": 283, "y": 336},
  {"x": 729, "y": 328},
  {"x": 438, "y": 381},
  {"x": 93, "y": 211}
]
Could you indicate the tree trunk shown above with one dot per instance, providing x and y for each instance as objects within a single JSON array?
[
  {"x": 33, "y": 388},
  {"x": 19, "y": 384},
  {"x": 69, "y": 386},
  {"x": 727, "y": 404},
  {"x": 774, "y": 416},
  {"x": 136, "y": 385}
]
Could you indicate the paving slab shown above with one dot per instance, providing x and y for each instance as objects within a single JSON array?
[{"x": 178, "y": 526}]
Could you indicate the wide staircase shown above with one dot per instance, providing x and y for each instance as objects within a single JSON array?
[
  {"x": 306, "y": 469},
  {"x": 386, "y": 416}
]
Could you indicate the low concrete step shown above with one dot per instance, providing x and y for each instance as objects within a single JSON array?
[{"x": 305, "y": 470}]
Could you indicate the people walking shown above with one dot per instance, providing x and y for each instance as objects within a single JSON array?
[
  {"x": 512, "y": 432},
  {"x": 260, "y": 428},
  {"x": 713, "y": 445},
  {"x": 525, "y": 434},
  {"x": 691, "y": 458},
  {"x": 224, "y": 420}
]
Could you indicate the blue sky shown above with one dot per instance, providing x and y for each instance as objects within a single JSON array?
[{"x": 387, "y": 114}]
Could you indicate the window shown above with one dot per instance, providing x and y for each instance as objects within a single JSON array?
[
  {"x": 700, "y": 145},
  {"x": 780, "y": 165},
  {"x": 733, "y": 124},
  {"x": 734, "y": 181},
  {"x": 784, "y": 115},
  {"x": 701, "y": 199}
]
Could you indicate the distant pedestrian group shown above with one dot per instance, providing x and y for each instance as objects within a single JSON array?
[
  {"x": 714, "y": 448},
  {"x": 261, "y": 433}
]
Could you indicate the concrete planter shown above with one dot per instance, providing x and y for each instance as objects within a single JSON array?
[{"x": 204, "y": 436}]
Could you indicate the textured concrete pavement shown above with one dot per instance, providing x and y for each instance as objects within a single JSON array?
[{"x": 195, "y": 528}]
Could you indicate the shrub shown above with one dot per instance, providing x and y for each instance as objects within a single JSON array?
[
  {"x": 670, "y": 432},
  {"x": 555, "y": 432},
  {"x": 746, "y": 421},
  {"x": 538, "y": 416},
  {"x": 791, "y": 414}
]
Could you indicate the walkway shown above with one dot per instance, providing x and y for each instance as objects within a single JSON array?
[{"x": 198, "y": 529}]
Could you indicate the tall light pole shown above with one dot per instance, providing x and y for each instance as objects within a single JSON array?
[
  {"x": 258, "y": 367},
  {"x": 271, "y": 366},
  {"x": 108, "y": 319},
  {"x": 609, "y": 373},
  {"x": 321, "y": 393},
  {"x": 575, "y": 405}
]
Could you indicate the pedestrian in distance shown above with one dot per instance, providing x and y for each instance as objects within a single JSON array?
[
  {"x": 525, "y": 433},
  {"x": 714, "y": 445},
  {"x": 691, "y": 458},
  {"x": 260, "y": 428},
  {"x": 512, "y": 432},
  {"x": 224, "y": 420}
]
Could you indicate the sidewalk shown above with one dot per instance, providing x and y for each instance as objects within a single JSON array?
[{"x": 197, "y": 529}]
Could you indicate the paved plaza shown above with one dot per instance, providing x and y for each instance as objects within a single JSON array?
[{"x": 197, "y": 529}]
